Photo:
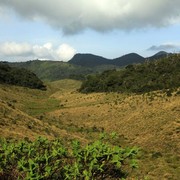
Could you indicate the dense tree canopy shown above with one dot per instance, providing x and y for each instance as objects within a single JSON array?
[
  {"x": 20, "y": 77},
  {"x": 137, "y": 78}
]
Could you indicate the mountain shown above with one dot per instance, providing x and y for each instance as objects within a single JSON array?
[
  {"x": 159, "y": 55},
  {"x": 131, "y": 58},
  {"x": 89, "y": 60},
  {"x": 80, "y": 65}
]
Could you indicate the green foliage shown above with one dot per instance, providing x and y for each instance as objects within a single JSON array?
[
  {"x": 139, "y": 78},
  {"x": 20, "y": 77},
  {"x": 44, "y": 159},
  {"x": 54, "y": 70}
]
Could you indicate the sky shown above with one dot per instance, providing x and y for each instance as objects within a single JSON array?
[{"x": 58, "y": 29}]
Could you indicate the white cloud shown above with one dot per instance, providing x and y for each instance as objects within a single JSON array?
[
  {"x": 100, "y": 15},
  {"x": 45, "y": 51},
  {"x": 27, "y": 51},
  {"x": 65, "y": 52},
  {"x": 15, "y": 49}
]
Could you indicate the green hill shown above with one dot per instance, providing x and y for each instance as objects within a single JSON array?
[
  {"x": 160, "y": 54},
  {"x": 138, "y": 78},
  {"x": 53, "y": 70},
  {"x": 56, "y": 70},
  {"x": 80, "y": 65},
  {"x": 93, "y": 61},
  {"x": 89, "y": 60},
  {"x": 131, "y": 58},
  {"x": 20, "y": 77}
]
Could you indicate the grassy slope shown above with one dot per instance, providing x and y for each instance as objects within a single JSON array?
[
  {"x": 149, "y": 121},
  {"x": 53, "y": 70},
  {"x": 22, "y": 111}
]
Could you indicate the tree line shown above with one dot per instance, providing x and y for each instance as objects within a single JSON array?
[{"x": 137, "y": 78}]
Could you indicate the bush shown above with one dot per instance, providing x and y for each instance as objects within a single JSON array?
[
  {"x": 20, "y": 77},
  {"x": 44, "y": 159}
]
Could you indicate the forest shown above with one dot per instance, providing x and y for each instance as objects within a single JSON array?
[{"x": 163, "y": 74}]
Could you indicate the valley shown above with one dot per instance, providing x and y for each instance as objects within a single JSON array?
[
  {"x": 149, "y": 121},
  {"x": 89, "y": 90}
]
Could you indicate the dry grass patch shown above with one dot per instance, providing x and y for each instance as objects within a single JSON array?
[{"x": 150, "y": 121}]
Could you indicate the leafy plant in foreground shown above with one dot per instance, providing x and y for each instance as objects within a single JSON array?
[{"x": 44, "y": 159}]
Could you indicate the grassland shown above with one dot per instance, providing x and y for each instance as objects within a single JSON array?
[{"x": 150, "y": 121}]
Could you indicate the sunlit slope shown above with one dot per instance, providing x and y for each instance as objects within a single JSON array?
[
  {"x": 22, "y": 112},
  {"x": 16, "y": 124},
  {"x": 150, "y": 121}
]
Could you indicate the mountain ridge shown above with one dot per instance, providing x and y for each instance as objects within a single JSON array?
[
  {"x": 80, "y": 65},
  {"x": 131, "y": 58},
  {"x": 91, "y": 60},
  {"x": 88, "y": 59}
]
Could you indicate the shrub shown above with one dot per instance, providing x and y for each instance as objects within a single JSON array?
[{"x": 44, "y": 159}]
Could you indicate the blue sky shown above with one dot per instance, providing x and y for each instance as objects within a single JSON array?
[{"x": 58, "y": 29}]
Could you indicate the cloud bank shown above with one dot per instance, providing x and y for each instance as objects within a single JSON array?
[
  {"x": 165, "y": 47},
  {"x": 25, "y": 51},
  {"x": 72, "y": 16}
]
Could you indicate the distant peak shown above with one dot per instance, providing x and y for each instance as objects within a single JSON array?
[
  {"x": 132, "y": 54},
  {"x": 161, "y": 53},
  {"x": 86, "y": 54}
]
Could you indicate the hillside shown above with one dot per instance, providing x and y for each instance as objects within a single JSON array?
[
  {"x": 79, "y": 66},
  {"x": 160, "y": 54},
  {"x": 149, "y": 121},
  {"x": 53, "y": 70},
  {"x": 19, "y": 76},
  {"x": 127, "y": 59},
  {"x": 56, "y": 70},
  {"x": 22, "y": 111},
  {"x": 138, "y": 78},
  {"x": 89, "y": 60}
]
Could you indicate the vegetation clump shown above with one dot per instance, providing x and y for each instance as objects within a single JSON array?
[
  {"x": 20, "y": 77},
  {"x": 45, "y": 159},
  {"x": 137, "y": 78}
]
